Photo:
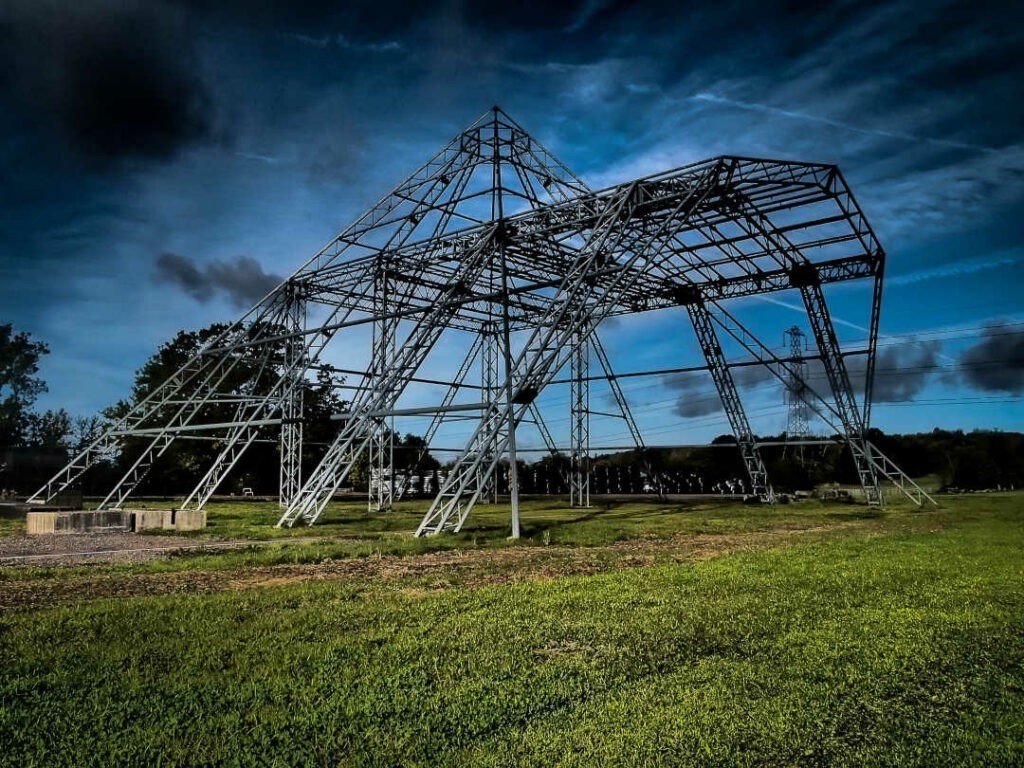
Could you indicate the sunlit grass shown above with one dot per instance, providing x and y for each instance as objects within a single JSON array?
[{"x": 904, "y": 647}]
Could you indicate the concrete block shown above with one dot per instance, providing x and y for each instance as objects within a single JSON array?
[
  {"x": 148, "y": 519},
  {"x": 92, "y": 521},
  {"x": 189, "y": 519},
  {"x": 41, "y": 522}
]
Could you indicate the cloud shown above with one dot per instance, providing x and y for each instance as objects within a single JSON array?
[
  {"x": 586, "y": 11},
  {"x": 115, "y": 78},
  {"x": 930, "y": 200},
  {"x": 242, "y": 280},
  {"x": 911, "y": 106},
  {"x": 698, "y": 396},
  {"x": 902, "y": 371},
  {"x": 345, "y": 43},
  {"x": 996, "y": 363},
  {"x": 958, "y": 268},
  {"x": 799, "y": 115}
]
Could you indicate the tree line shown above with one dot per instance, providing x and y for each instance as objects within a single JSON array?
[{"x": 35, "y": 444}]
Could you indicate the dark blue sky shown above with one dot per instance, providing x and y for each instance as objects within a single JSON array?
[{"x": 162, "y": 162}]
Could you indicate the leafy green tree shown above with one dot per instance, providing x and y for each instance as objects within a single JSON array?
[
  {"x": 20, "y": 384},
  {"x": 52, "y": 429},
  {"x": 190, "y": 456}
]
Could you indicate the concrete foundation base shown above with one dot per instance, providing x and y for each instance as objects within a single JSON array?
[
  {"x": 109, "y": 520},
  {"x": 189, "y": 519},
  {"x": 103, "y": 521}
]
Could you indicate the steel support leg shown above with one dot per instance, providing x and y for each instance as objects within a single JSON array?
[
  {"x": 703, "y": 324},
  {"x": 381, "y": 478},
  {"x": 492, "y": 396},
  {"x": 839, "y": 382},
  {"x": 292, "y": 405},
  {"x": 579, "y": 398}
]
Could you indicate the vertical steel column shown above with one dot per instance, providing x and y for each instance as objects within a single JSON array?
[
  {"x": 498, "y": 215},
  {"x": 292, "y": 401},
  {"x": 579, "y": 404},
  {"x": 805, "y": 277},
  {"x": 703, "y": 324},
  {"x": 489, "y": 389},
  {"x": 380, "y": 465}
]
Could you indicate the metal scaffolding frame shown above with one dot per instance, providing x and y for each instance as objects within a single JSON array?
[
  {"x": 704, "y": 326},
  {"x": 496, "y": 240},
  {"x": 579, "y": 429}
]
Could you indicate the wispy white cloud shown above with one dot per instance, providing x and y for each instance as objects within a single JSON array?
[
  {"x": 803, "y": 310},
  {"x": 341, "y": 41},
  {"x": 268, "y": 159},
  {"x": 959, "y": 268},
  {"x": 587, "y": 10},
  {"x": 800, "y": 115}
]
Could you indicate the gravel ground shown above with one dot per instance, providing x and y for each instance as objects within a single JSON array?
[{"x": 79, "y": 548}]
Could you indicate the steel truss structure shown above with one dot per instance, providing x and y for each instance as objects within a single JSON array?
[{"x": 495, "y": 239}]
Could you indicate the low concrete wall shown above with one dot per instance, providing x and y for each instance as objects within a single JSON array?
[
  {"x": 41, "y": 522},
  {"x": 189, "y": 519},
  {"x": 77, "y": 522},
  {"x": 106, "y": 520},
  {"x": 147, "y": 519}
]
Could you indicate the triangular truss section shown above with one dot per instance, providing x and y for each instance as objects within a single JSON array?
[{"x": 495, "y": 240}]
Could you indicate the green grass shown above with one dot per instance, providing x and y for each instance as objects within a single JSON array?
[
  {"x": 346, "y": 530},
  {"x": 902, "y": 644},
  {"x": 10, "y": 526},
  {"x": 607, "y": 521}
]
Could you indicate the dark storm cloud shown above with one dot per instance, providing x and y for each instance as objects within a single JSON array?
[
  {"x": 116, "y": 79},
  {"x": 902, "y": 371},
  {"x": 698, "y": 396},
  {"x": 330, "y": 103},
  {"x": 241, "y": 280},
  {"x": 996, "y": 363}
]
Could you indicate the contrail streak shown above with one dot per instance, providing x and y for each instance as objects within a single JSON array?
[{"x": 712, "y": 98}]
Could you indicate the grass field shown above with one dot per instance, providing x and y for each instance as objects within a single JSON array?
[{"x": 637, "y": 634}]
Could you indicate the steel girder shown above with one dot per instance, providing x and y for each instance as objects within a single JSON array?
[
  {"x": 579, "y": 305},
  {"x": 703, "y": 324},
  {"x": 489, "y": 387},
  {"x": 579, "y": 429},
  {"x": 290, "y": 443},
  {"x": 805, "y": 277},
  {"x": 797, "y": 425},
  {"x": 354, "y": 436},
  {"x": 381, "y": 471}
]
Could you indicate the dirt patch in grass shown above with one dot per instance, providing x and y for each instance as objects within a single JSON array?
[
  {"x": 109, "y": 548},
  {"x": 419, "y": 573},
  {"x": 70, "y": 547}
]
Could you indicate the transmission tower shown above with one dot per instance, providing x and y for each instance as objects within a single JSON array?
[
  {"x": 496, "y": 247},
  {"x": 797, "y": 423}
]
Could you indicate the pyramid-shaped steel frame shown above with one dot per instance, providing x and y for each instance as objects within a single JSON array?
[{"x": 494, "y": 236}]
